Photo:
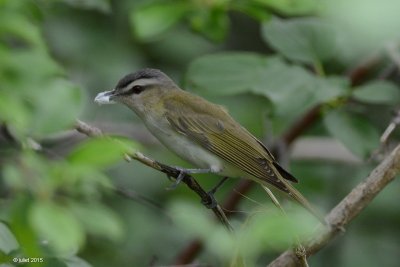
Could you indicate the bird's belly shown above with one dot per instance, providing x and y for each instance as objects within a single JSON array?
[
  {"x": 192, "y": 152},
  {"x": 185, "y": 148}
]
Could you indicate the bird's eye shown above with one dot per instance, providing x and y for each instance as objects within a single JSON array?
[{"x": 137, "y": 89}]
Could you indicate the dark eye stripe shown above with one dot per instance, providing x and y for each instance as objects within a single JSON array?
[{"x": 137, "y": 89}]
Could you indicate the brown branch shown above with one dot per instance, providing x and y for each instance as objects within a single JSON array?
[
  {"x": 189, "y": 252},
  {"x": 362, "y": 70},
  {"x": 348, "y": 208},
  {"x": 303, "y": 123},
  {"x": 170, "y": 171}
]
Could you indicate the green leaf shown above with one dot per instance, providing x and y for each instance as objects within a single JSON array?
[
  {"x": 18, "y": 73},
  {"x": 14, "y": 113},
  {"x": 186, "y": 215},
  {"x": 212, "y": 23},
  {"x": 8, "y": 242},
  {"x": 308, "y": 40},
  {"x": 21, "y": 227},
  {"x": 149, "y": 21},
  {"x": 377, "y": 92},
  {"x": 75, "y": 261},
  {"x": 370, "y": 28},
  {"x": 226, "y": 73},
  {"x": 101, "y": 5},
  {"x": 253, "y": 119},
  {"x": 252, "y": 9},
  {"x": 79, "y": 179},
  {"x": 57, "y": 105},
  {"x": 29, "y": 100},
  {"x": 354, "y": 131},
  {"x": 291, "y": 7},
  {"x": 269, "y": 230},
  {"x": 13, "y": 177},
  {"x": 6, "y": 259},
  {"x": 98, "y": 220},
  {"x": 292, "y": 89},
  {"x": 101, "y": 152},
  {"x": 17, "y": 27},
  {"x": 57, "y": 225}
]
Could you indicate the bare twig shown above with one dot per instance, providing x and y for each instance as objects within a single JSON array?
[
  {"x": 392, "y": 126},
  {"x": 348, "y": 208},
  {"x": 385, "y": 146},
  {"x": 170, "y": 171},
  {"x": 87, "y": 129}
]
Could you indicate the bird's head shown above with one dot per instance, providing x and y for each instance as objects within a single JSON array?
[{"x": 138, "y": 89}]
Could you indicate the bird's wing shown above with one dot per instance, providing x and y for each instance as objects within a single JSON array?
[
  {"x": 213, "y": 129},
  {"x": 221, "y": 135}
]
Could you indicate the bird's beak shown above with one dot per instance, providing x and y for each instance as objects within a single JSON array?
[{"x": 105, "y": 97}]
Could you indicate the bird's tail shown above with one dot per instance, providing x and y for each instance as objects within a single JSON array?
[{"x": 298, "y": 197}]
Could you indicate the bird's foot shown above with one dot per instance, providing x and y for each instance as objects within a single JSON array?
[
  {"x": 170, "y": 178},
  {"x": 178, "y": 180},
  {"x": 211, "y": 202},
  {"x": 183, "y": 172}
]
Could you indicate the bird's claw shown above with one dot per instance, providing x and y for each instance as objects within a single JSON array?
[
  {"x": 211, "y": 202},
  {"x": 178, "y": 180},
  {"x": 170, "y": 178}
]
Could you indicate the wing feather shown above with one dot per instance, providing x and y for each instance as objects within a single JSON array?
[
  {"x": 229, "y": 142},
  {"x": 213, "y": 129}
]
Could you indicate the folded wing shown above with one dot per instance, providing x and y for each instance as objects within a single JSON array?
[{"x": 221, "y": 135}]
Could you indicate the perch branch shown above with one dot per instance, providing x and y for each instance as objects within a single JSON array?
[
  {"x": 348, "y": 208},
  {"x": 91, "y": 131}
]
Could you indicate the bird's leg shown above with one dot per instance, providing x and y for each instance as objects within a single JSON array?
[
  {"x": 170, "y": 178},
  {"x": 183, "y": 172},
  {"x": 213, "y": 203},
  {"x": 216, "y": 187}
]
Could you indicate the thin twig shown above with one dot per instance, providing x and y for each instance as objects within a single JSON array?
[
  {"x": 348, "y": 208},
  {"x": 130, "y": 194},
  {"x": 392, "y": 126},
  {"x": 170, "y": 171}
]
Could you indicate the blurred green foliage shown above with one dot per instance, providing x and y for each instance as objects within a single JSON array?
[
  {"x": 267, "y": 61},
  {"x": 272, "y": 77}
]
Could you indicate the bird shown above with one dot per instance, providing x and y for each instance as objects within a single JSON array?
[{"x": 201, "y": 132}]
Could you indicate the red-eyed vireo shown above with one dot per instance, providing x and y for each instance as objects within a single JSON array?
[{"x": 200, "y": 132}]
